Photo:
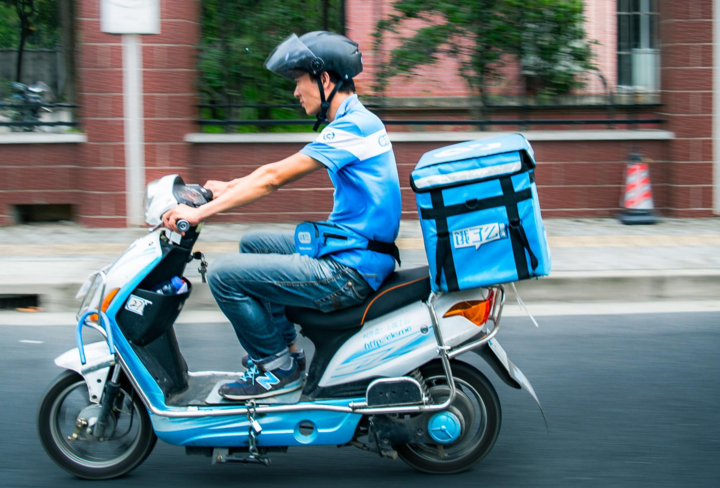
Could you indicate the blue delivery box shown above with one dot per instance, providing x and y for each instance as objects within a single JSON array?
[{"x": 480, "y": 214}]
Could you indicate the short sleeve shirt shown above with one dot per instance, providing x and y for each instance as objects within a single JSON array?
[{"x": 359, "y": 158}]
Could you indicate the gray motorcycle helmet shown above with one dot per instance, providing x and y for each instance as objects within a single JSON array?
[{"x": 316, "y": 52}]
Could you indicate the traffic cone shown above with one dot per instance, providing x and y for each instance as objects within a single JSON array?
[{"x": 638, "y": 208}]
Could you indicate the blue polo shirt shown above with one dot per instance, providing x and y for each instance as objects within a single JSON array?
[{"x": 359, "y": 158}]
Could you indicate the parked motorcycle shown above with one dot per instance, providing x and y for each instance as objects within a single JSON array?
[
  {"x": 385, "y": 376},
  {"x": 26, "y": 105}
]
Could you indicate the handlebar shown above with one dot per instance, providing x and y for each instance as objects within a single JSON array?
[{"x": 183, "y": 225}]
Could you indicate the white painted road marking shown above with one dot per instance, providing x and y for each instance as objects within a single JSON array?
[{"x": 25, "y": 341}]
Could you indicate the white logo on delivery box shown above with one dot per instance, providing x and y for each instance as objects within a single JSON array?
[
  {"x": 304, "y": 237},
  {"x": 477, "y": 236}
]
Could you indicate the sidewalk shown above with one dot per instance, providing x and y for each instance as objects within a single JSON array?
[{"x": 594, "y": 260}]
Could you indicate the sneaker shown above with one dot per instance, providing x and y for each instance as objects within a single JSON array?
[
  {"x": 255, "y": 383},
  {"x": 298, "y": 356}
]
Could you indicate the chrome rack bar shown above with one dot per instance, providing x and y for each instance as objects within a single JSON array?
[{"x": 497, "y": 308}]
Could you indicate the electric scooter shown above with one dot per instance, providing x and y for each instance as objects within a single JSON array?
[{"x": 385, "y": 376}]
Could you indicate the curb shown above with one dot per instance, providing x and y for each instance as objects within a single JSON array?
[{"x": 562, "y": 286}]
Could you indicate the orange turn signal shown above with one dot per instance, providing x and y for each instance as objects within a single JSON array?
[
  {"x": 106, "y": 303},
  {"x": 476, "y": 311}
]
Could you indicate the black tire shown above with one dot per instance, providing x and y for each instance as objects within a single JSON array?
[
  {"x": 467, "y": 378},
  {"x": 141, "y": 447}
]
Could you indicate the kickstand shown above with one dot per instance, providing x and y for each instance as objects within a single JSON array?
[{"x": 222, "y": 455}]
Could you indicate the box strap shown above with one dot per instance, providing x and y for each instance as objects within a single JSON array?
[
  {"x": 518, "y": 238},
  {"x": 519, "y": 241},
  {"x": 443, "y": 252}
]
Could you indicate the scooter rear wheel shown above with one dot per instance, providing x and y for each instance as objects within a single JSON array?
[
  {"x": 477, "y": 402},
  {"x": 130, "y": 443}
]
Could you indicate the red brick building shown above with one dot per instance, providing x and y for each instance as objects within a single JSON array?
[{"x": 580, "y": 170}]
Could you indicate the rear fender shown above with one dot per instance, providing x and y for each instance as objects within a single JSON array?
[
  {"x": 498, "y": 360},
  {"x": 96, "y": 369}
]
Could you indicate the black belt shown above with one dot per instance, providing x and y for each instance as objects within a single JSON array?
[
  {"x": 519, "y": 241},
  {"x": 375, "y": 246},
  {"x": 385, "y": 248}
]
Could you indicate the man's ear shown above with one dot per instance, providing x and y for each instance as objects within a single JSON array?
[{"x": 328, "y": 85}]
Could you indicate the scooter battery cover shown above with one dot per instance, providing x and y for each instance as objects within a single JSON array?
[{"x": 480, "y": 214}]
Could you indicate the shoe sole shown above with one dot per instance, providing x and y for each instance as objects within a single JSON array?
[{"x": 262, "y": 395}]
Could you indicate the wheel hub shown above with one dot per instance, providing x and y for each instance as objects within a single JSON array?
[
  {"x": 444, "y": 427},
  {"x": 89, "y": 417}
]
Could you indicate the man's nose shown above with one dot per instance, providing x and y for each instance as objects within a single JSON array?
[{"x": 296, "y": 93}]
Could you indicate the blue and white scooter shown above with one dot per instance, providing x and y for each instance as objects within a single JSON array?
[{"x": 384, "y": 376}]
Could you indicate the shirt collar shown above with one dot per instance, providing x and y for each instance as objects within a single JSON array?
[{"x": 346, "y": 105}]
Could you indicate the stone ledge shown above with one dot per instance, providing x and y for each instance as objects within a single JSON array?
[
  {"x": 532, "y": 136},
  {"x": 35, "y": 138}
]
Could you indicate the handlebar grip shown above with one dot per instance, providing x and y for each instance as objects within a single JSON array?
[{"x": 183, "y": 225}]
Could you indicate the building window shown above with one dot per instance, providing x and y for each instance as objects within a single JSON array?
[{"x": 638, "y": 46}]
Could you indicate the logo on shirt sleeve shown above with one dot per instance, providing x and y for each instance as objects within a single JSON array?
[{"x": 329, "y": 136}]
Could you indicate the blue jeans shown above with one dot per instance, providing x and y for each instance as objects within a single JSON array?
[{"x": 253, "y": 287}]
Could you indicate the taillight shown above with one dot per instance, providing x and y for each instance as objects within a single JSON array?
[
  {"x": 476, "y": 311},
  {"x": 106, "y": 303}
]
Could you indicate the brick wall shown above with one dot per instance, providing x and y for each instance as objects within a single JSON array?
[
  {"x": 687, "y": 76},
  {"x": 575, "y": 179},
  {"x": 38, "y": 174},
  {"x": 169, "y": 99}
]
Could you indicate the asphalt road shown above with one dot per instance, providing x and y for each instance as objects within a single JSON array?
[{"x": 631, "y": 400}]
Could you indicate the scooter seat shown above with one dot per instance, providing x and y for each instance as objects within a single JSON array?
[{"x": 401, "y": 288}]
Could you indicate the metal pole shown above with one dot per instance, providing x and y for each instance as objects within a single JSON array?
[{"x": 134, "y": 129}]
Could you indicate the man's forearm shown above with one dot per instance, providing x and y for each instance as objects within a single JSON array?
[{"x": 240, "y": 192}]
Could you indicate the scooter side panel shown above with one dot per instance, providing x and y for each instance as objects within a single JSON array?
[
  {"x": 144, "y": 380},
  {"x": 282, "y": 429},
  {"x": 397, "y": 343}
]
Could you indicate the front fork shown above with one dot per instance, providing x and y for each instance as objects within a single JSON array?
[{"x": 107, "y": 403}]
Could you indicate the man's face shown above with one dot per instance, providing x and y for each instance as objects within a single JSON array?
[{"x": 307, "y": 92}]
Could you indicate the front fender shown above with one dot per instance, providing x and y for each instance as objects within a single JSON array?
[{"x": 96, "y": 369}]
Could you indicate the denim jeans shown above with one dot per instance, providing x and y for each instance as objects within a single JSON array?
[{"x": 253, "y": 287}]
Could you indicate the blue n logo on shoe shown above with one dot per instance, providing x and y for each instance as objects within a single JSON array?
[{"x": 268, "y": 380}]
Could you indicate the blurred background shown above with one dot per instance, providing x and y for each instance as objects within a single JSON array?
[{"x": 624, "y": 360}]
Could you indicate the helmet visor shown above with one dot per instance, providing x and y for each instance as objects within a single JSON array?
[{"x": 290, "y": 55}]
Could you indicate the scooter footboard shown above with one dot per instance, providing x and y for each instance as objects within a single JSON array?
[{"x": 278, "y": 429}]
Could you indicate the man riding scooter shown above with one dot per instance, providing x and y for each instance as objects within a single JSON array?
[{"x": 326, "y": 265}]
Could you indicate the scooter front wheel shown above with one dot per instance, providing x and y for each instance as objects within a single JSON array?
[
  {"x": 476, "y": 407},
  {"x": 65, "y": 422}
]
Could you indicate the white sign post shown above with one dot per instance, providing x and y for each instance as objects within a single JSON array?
[{"x": 132, "y": 18}]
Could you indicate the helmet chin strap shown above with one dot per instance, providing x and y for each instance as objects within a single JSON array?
[{"x": 325, "y": 104}]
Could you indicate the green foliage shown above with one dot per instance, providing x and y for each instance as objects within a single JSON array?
[
  {"x": 553, "y": 51},
  {"x": 238, "y": 35},
  {"x": 43, "y": 24},
  {"x": 546, "y": 36}
]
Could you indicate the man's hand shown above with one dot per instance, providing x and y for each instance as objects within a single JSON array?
[
  {"x": 181, "y": 212},
  {"x": 217, "y": 187}
]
